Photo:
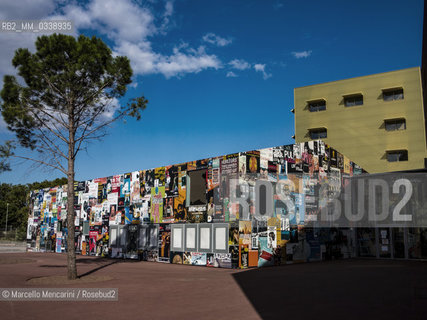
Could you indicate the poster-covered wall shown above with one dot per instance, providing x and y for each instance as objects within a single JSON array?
[{"x": 193, "y": 193}]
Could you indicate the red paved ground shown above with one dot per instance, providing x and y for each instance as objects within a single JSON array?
[
  {"x": 350, "y": 289},
  {"x": 147, "y": 290}
]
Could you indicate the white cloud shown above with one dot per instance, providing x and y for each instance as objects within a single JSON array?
[
  {"x": 131, "y": 37},
  {"x": 216, "y": 40},
  {"x": 145, "y": 61},
  {"x": 122, "y": 20},
  {"x": 167, "y": 15},
  {"x": 112, "y": 106},
  {"x": 302, "y": 54},
  {"x": 239, "y": 64},
  {"x": 129, "y": 27},
  {"x": 192, "y": 61},
  {"x": 231, "y": 74},
  {"x": 261, "y": 68}
]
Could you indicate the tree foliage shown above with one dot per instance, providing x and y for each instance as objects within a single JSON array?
[
  {"x": 66, "y": 96},
  {"x": 71, "y": 87},
  {"x": 17, "y": 198}
]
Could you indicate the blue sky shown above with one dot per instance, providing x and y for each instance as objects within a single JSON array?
[{"x": 219, "y": 75}]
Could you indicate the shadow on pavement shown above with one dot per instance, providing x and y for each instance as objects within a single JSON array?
[
  {"x": 347, "y": 289},
  {"x": 98, "y": 268}
]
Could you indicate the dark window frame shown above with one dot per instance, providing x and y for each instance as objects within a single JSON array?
[
  {"x": 397, "y": 155},
  {"x": 393, "y": 94},
  {"x": 317, "y": 105},
  {"x": 397, "y": 124},
  {"x": 318, "y": 133},
  {"x": 353, "y": 100}
]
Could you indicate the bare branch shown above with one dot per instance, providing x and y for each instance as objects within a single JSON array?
[
  {"x": 60, "y": 168},
  {"x": 104, "y": 124},
  {"x": 52, "y": 86},
  {"x": 51, "y": 143},
  {"x": 47, "y": 126},
  {"x": 53, "y": 153},
  {"x": 81, "y": 106}
]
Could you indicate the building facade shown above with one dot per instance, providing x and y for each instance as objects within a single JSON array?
[
  {"x": 185, "y": 214},
  {"x": 376, "y": 120}
]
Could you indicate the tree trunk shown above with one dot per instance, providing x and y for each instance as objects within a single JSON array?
[{"x": 71, "y": 253}]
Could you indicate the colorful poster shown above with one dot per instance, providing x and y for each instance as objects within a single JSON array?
[
  {"x": 210, "y": 260},
  {"x": 245, "y": 230},
  {"x": 157, "y": 195},
  {"x": 198, "y": 259},
  {"x": 114, "y": 216},
  {"x": 164, "y": 242},
  {"x": 271, "y": 237},
  {"x": 159, "y": 177},
  {"x": 233, "y": 234},
  {"x": 58, "y": 245},
  {"x": 168, "y": 213},
  {"x": 222, "y": 260},
  {"x": 180, "y": 211},
  {"x": 229, "y": 165},
  {"x": 176, "y": 258},
  {"x": 135, "y": 195},
  {"x": 186, "y": 258},
  {"x": 253, "y": 162},
  {"x": 92, "y": 242},
  {"x": 266, "y": 257},
  {"x": 115, "y": 183},
  {"x": 128, "y": 215},
  {"x": 171, "y": 181}
]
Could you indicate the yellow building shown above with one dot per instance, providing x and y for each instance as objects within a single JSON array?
[{"x": 376, "y": 120}]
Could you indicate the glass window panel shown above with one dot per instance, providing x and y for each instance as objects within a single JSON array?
[
  {"x": 177, "y": 238},
  {"x": 220, "y": 238},
  {"x": 190, "y": 241},
  {"x": 390, "y": 95},
  {"x": 113, "y": 236},
  {"x": 387, "y": 96},
  {"x": 397, "y": 156},
  {"x": 353, "y": 101},
  {"x": 400, "y": 125},
  {"x": 317, "y": 106},
  {"x": 143, "y": 237},
  {"x": 205, "y": 240},
  {"x": 403, "y": 156}
]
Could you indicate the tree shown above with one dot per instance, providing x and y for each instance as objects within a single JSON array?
[
  {"x": 66, "y": 102},
  {"x": 14, "y": 202}
]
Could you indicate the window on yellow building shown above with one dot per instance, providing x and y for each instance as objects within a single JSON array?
[
  {"x": 397, "y": 155},
  {"x": 353, "y": 100},
  {"x": 395, "y": 124},
  {"x": 393, "y": 94},
  {"x": 317, "y": 105},
  {"x": 318, "y": 133}
]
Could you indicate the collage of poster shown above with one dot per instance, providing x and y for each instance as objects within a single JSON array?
[{"x": 192, "y": 193}]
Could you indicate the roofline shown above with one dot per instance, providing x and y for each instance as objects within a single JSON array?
[{"x": 359, "y": 77}]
